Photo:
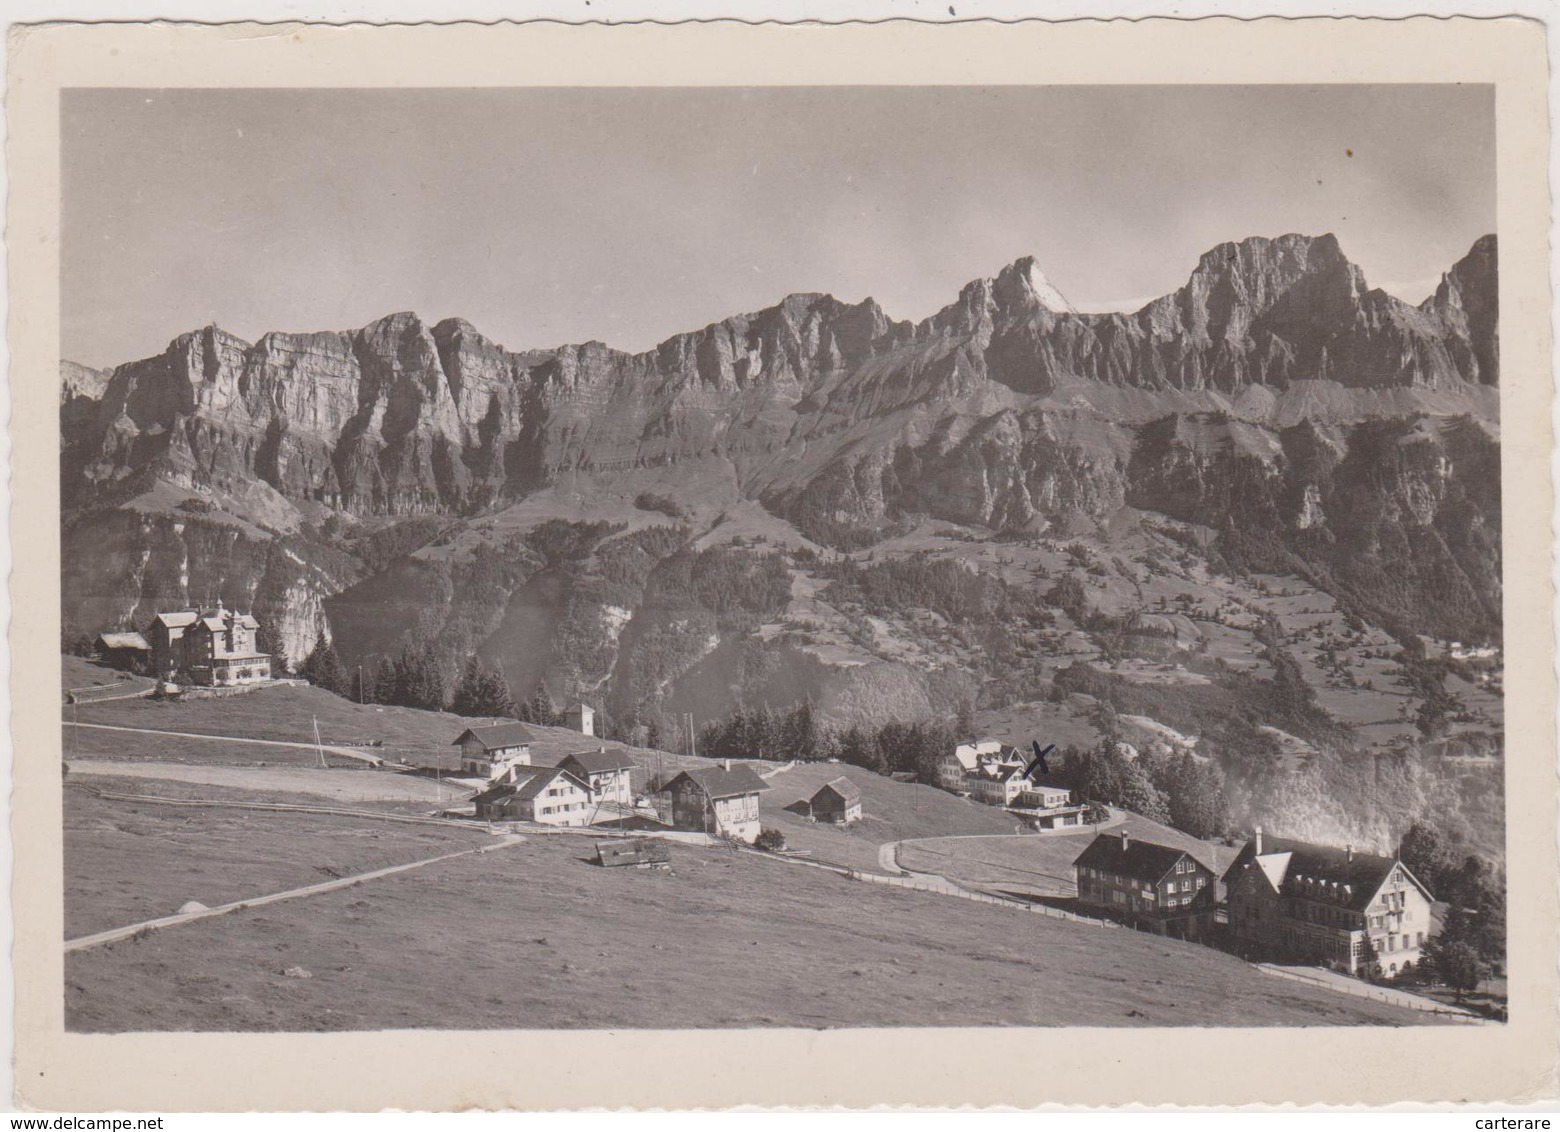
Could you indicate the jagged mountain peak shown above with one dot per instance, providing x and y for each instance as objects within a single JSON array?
[
  {"x": 1022, "y": 281},
  {"x": 1260, "y": 270}
]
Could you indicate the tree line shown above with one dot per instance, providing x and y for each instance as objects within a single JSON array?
[{"x": 413, "y": 679}]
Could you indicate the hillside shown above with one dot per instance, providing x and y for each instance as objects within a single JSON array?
[
  {"x": 1257, "y": 521},
  {"x": 535, "y": 937}
]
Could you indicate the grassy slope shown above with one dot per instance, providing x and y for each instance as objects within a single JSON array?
[
  {"x": 85, "y": 744},
  {"x": 79, "y": 672},
  {"x": 129, "y": 861},
  {"x": 287, "y": 713},
  {"x": 891, "y": 811},
  {"x": 1040, "y": 864},
  {"x": 534, "y": 937}
]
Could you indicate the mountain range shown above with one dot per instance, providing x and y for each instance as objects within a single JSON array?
[{"x": 1298, "y": 420}]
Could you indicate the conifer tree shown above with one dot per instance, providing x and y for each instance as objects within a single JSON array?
[
  {"x": 323, "y": 667},
  {"x": 386, "y": 686}
]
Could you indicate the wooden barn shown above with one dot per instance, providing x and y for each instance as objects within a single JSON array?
[
  {"x": 637, "y": 852},
  {"x": 837, "y": 801},
  {"x": 126, "y": 651}
]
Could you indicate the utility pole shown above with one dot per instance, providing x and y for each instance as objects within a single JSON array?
[{"x": 360, "y": 684}]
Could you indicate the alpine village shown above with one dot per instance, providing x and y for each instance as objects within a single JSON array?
[{"x": 1019, "y": 667}]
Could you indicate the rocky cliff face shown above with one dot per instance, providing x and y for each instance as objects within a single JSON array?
[
  {"x": 1242, "y": 394},
  {"x": 401, "y": 418}
]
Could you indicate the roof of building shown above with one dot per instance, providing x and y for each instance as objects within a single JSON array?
[
  {"x": 847, "y": 791},
  {"x": 600, "y": 762},
  {"x": 718, "y": 782},
  {"x": 178, "y": 619},
  {"x": 123, "y": 641},
  {"x": 633, "y": 851},
  {"x": 1344, "y": 876},
  {"x": 574, "y": 709},
  {"x": 1146, "y": 861},
  {"x": 496, "y": 736},
  {"x": 527, "y": 782},
  {"x": 1046, "y": 782}
]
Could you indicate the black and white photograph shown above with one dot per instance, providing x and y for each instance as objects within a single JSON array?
[{"x": 782, "y": 557}]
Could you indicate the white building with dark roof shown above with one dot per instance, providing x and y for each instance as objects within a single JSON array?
[
  {"x": 548, "y": 795},
  {"x": 1305, "y": 902},
  {"x": 608, "y": 773},
  {"x": 490, "y": 752}
]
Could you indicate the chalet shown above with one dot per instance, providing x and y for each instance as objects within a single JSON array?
[
  {"x": 581, "y": 718},
  {"x": 1312, "y": 903},
  {"x": 837, "y": 801},
  {"x": 491, "y": 752},
  {"x": 127, "y": 651},
  {"x": 1153, "y": 887},
  {"x": 720, "y": 800},
  {"x": 549, "y": 795},
  {"x": 215, "y": 647},
  {"x": 608, "y": 773}
]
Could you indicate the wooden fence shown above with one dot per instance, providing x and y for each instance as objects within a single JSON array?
[{"x": 1379, "y": 994}]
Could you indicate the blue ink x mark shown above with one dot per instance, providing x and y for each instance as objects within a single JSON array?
[{"x": 1039, "y": 759}]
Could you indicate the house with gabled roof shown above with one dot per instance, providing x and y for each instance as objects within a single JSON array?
[
  {"x": 1304, "y": 902},
  {"x": 548, "y": 795},
  {"x": 1159, "y": 888},
  {"x": 609, "y": 774},
  {"x": 837, "y": 801},
  {"x": 490, "y": 752},
  {"x": 215, "y": 647},
  {"x": 128, "y": 651},
  {"x": 718, "y": 800}
]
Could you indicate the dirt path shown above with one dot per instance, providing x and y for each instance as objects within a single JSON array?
[
  {"x": 344, "y": 752},
  {"x": 888, "y": 853},
  {"x": 113, "y": 934},
  {"x": 338, "y": 784}
]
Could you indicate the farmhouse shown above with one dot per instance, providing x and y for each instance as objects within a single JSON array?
[
  {"x": 608, "y": 773},
  {"x": 1153, "y": 887},
  {"x": 490, "y": 752},
  {"x": 720, "y": 800},
  {"x": 837, "y": 801},
  {"x": 210, "y": 647},
  {"x": 549, "y": 795},
  {"x": 127, "y": 652},
  {"x": 581, "y": 718},
  {"x": 1315, "y": 903}
]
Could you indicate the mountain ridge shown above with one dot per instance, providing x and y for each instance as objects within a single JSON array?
[{"x": 1006, "y": 409}]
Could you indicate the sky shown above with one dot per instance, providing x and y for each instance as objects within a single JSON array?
[{"x": 553, "y": 216}]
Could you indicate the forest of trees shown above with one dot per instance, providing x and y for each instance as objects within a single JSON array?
[
  {"x": 1176, "y": 790},
  {"x": 894, "y": 747}
]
